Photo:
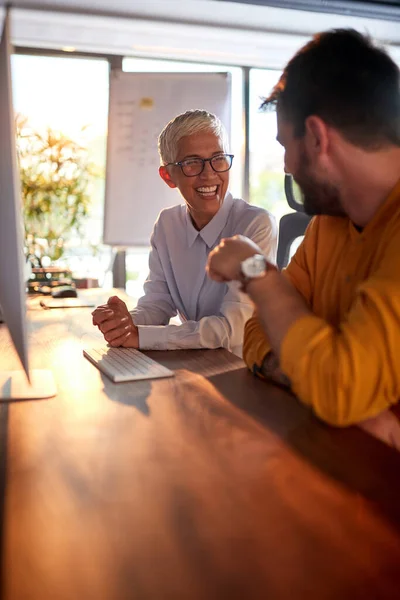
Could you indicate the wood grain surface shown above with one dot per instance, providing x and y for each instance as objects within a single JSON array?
[{"x": 210, "y": 485}]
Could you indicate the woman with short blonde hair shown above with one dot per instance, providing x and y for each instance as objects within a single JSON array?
[{"x": 195, "y": 159}]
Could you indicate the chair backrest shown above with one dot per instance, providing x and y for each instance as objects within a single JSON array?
[
  {"x": 290, "y": 195},
  {"x": 291, "y": 226}
]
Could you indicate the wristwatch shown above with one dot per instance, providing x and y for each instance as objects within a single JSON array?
[{"x": 253, "y": 267}]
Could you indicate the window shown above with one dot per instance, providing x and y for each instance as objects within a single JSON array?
[
  {"x": 266, "y": 154},
  {"x": 70, "y": 96}
]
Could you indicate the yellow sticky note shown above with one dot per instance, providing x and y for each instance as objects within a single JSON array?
[{"x": 146, "y": 103}]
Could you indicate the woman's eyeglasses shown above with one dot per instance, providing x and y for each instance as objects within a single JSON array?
[{"x": 194, "y": 166}]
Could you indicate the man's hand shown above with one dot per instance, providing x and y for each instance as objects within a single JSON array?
[
  {"x": 385, "y": 427},
  {"x": 116, "y": 324},
  {"x": 225, "y": 260}
]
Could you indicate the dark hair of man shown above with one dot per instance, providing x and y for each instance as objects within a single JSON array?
[{"x": 343, "y": 78}]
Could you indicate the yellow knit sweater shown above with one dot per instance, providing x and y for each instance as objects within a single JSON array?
[{"x": 344, "y": 359}]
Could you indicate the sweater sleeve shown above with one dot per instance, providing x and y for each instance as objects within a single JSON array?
[
  {"x": 256, "y": 345},
  {"x": 352, "y": 372}
]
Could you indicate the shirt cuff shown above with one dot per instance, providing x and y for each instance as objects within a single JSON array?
[
  {"x": 300, "y": 339},
  {"x": 153, "y": 337}
]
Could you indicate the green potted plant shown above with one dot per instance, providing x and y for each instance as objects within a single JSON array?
[{"x": 55, "y": 184}]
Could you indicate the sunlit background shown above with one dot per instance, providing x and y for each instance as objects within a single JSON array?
[{"x": 75, "y": 103}]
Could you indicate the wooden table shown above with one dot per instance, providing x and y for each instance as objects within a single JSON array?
[{"x": 210, "y": 485}]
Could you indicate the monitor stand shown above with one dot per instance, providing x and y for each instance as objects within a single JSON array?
[{"x": 14, "y": 385}]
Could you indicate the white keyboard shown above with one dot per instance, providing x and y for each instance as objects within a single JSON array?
[{"x": 125, "y": 364}]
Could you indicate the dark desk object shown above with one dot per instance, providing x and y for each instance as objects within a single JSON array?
[
  {"x": 64, "y": 291},
  {"x": 210, "y": 485},
  {"x": 49, "y": 276}
]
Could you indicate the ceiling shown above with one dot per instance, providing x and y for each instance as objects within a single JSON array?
[
  {"x": 246, "y": 13},
  {"x": 216, "y": 31},
  {"x": 378, "y": 9}
]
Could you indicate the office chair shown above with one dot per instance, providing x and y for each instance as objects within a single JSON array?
[{"x": 291, "y": 226}]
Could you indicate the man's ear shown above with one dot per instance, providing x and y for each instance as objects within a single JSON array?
[
  {"x": 316, "y": 135},
  {"x": 164, "y": 174}
]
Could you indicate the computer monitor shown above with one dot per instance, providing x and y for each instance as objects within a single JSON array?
[{"x": 24, "y": 384}]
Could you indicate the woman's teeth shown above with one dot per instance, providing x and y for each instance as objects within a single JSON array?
[{"x": 207, "y": 191}]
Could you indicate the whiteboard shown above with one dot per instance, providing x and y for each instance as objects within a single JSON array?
[{"x": 141, "y": 104}]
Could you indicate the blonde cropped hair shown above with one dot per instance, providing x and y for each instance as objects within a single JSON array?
[{"x": 189, "y": 122}]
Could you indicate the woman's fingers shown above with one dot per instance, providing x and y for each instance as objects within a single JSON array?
[{"x": 101, "y": 314}]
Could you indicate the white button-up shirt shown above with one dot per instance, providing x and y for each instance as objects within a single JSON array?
[{"x": 213, "y": 314}]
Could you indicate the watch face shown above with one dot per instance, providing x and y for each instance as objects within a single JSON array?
[{"x": 254, "y": 266}]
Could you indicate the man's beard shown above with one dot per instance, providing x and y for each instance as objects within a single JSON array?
[{"x": 319, "y": 198}]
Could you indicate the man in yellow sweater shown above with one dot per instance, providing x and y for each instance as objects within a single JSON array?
[{"x": 329, "y": 325}]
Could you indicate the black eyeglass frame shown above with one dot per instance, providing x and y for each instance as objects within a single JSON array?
[{"x": 204, "y": 160}]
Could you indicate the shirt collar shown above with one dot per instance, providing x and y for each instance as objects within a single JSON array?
[
  {"x": 383, "y": 215},
  {"x": 213, "y": 229},
  {"x": 386, "y": 211}
]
